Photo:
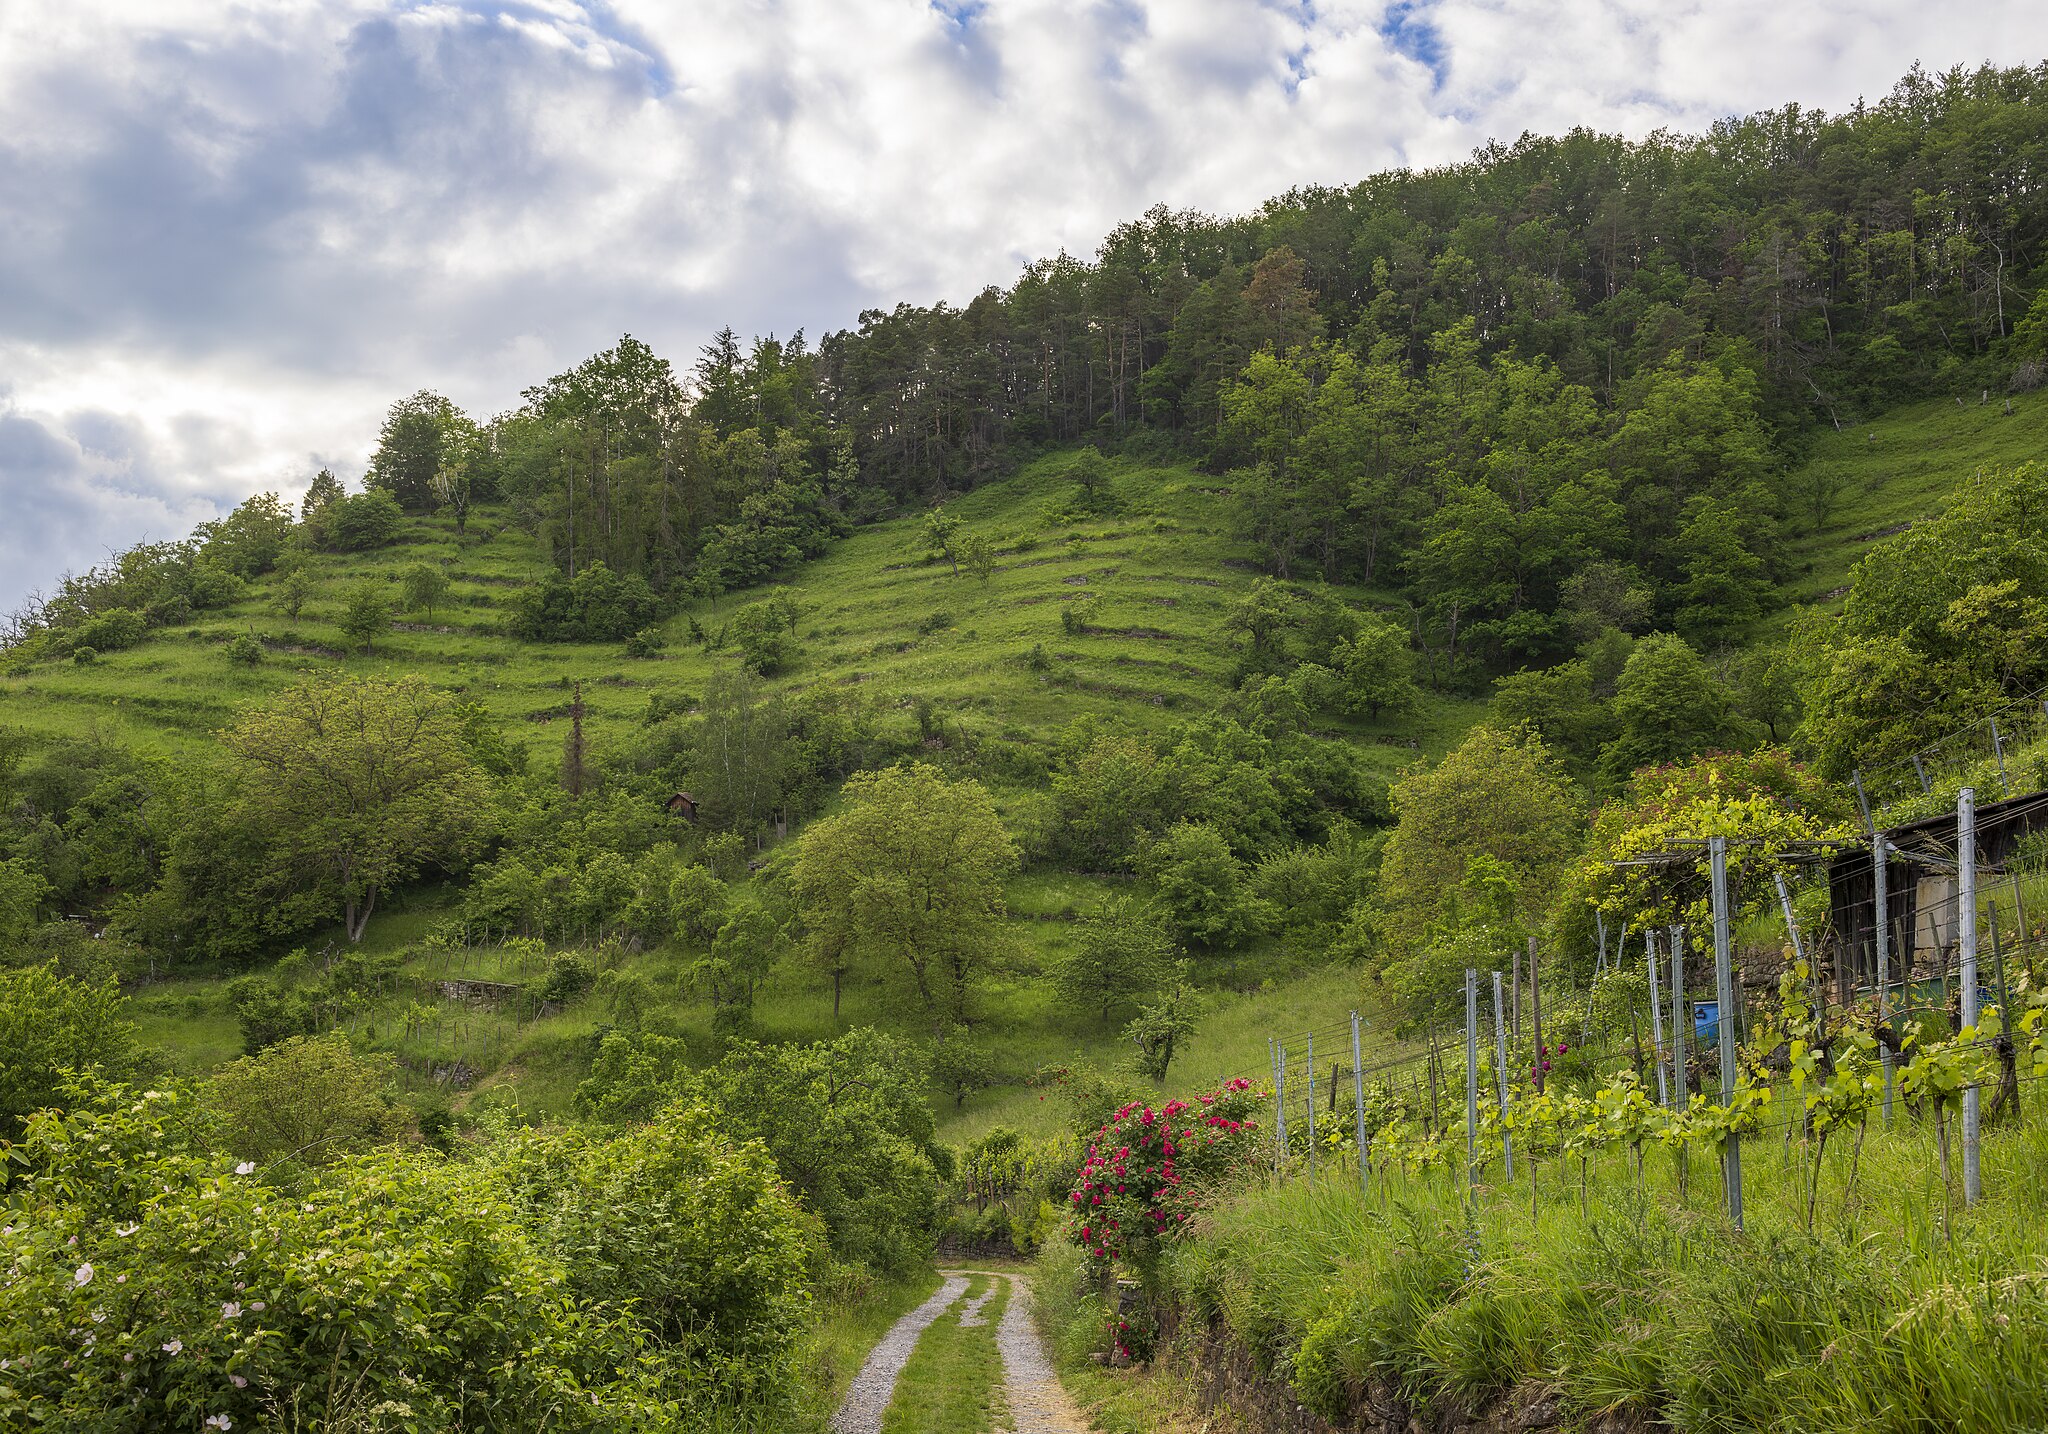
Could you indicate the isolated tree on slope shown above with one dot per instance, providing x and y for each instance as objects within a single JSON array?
[
  {"x": 1668, "y": 707},
  {"x": 410, "y": 449},
  {"x": 355, "y": 786},
  {"x": 1499, "y": 794},
  {"x": 909, "y": 871},
  {"x": 1120, "y": 959}
]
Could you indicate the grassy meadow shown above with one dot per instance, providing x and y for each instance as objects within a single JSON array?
[{"x": 1886, "y": 473}]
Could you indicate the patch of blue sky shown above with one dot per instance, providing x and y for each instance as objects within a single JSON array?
[{"x": 1409, "y": 31}]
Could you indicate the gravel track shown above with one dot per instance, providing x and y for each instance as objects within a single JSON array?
[
  {"x": 971, "y": 1316},
  {"x": 1037, "y": 1403},
  {"x": 869, "y": 1394}
]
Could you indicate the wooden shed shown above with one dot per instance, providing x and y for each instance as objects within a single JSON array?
[{"x": 1920, "y": 881}]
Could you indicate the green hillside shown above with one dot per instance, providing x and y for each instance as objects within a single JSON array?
[
  {"x": 970, "y": 660},
  {"x": 1878, "y": 476},
  {"x": 965, "y": 659},
  {"x": 1154, "y": 581}
]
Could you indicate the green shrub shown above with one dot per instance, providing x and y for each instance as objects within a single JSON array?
[
  {"x": 759, "y": 633},
  {"x": 85, "y": 656},
  {"x": 360, "y": 522},
  {"x": 561, "y": 1281},
  {"x": 569, "y": 975},
  {"x": 307, "y": 1099},
  {"x": 213, "y": 587},
  {"x": 110, "y": 631},
  {"x": 51, "y": 1024},
  {"x": 245, "y": 650},
  {"x": 597, "y": 605}
]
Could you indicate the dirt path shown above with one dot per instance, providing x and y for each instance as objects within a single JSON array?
[
  {"x": 1037, "y": 1403},
  {"x": 868, "y": 1396}
]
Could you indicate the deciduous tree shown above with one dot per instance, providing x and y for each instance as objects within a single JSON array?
[
  {"x": 366, "y": 615},
  {"x": 1498, "y": 794},
  {"x": 909, "y": 872},
  {"x": 356, "y": 785},
  {"x": 1120, "y": 955}
]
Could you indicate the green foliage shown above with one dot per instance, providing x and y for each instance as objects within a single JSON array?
[
  {"x": 353, "y": 786},
  {"x": 942, "y": 536},
  {"x": 110, "y": 631},
  {"x": 52, "y": 1026},
  {"x": 1941, "y": 621},
  {"x": 249, "y": 541},
  {"x": 425, "y": 588},
  {"x": 23, "y": 892},
  {"x": 1376, "y": 670},
  {"x": 684, "y": 1228},
  {"x": 978, "y": 553},
  {"x": 742, "y": 952},
  {"x": 908, "y": 872},
  {"x": 323, "y": 490},
  {"x": 1164, "y": 1023},
  {"x": 741, "y": 767},
  {"x": 1561, "y": 707},
  {"x": 310, "y": 1100},
  {"x": 412, "y": 448},
  {"x": 366, "y": 615},
  {"x": 469, "y": 469},
  {"x": 358, "y": 523},
  {"x": 1205, "y": 893},
  {"x": 759, "y": 633},
  {"x": 1481, "y": 921},
  {"x": 1765, "y": 801},
  {"x": 1668, "y": 707},
  {"x": 597, "y": 605},
  {"x": 1119, "y": 961},
  {"x": 293, "y": 589},
  {"x": 1725, "y": 587},
  {"x": 1259, "y": 621},
  {"x": 960, "y": 1065},
  {"x": 1311, "y": 889},
  {"x": 850, "y": 1128},
  {"x": 1104, "y": 797},
  {"x": 574, "y": 1281},
  {"x": 632, "y": 1076},
  {"x": 245, "y": 650},
  {"x": 1498, "y": 795}
]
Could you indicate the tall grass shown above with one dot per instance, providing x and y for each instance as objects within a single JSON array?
[{"x": 1893, "y": 1313}]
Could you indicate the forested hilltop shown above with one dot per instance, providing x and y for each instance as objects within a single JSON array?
[
  {"x": 1487, "y": 384},
  {"x": 839, "y": 775}
]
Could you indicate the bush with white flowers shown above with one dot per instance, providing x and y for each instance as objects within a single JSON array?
[{"x": 559, "y": 1281}]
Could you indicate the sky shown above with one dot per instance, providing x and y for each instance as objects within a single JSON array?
[{"x": 232, "y": 232}]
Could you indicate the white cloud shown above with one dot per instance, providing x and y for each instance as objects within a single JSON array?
[{"x": 231, "y": 234}]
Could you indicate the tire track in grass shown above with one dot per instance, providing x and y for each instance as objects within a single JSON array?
[{"x": 868, "y": 1396}]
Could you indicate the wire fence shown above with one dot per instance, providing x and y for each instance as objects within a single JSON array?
[{"x": 1794, "y": 1057}]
